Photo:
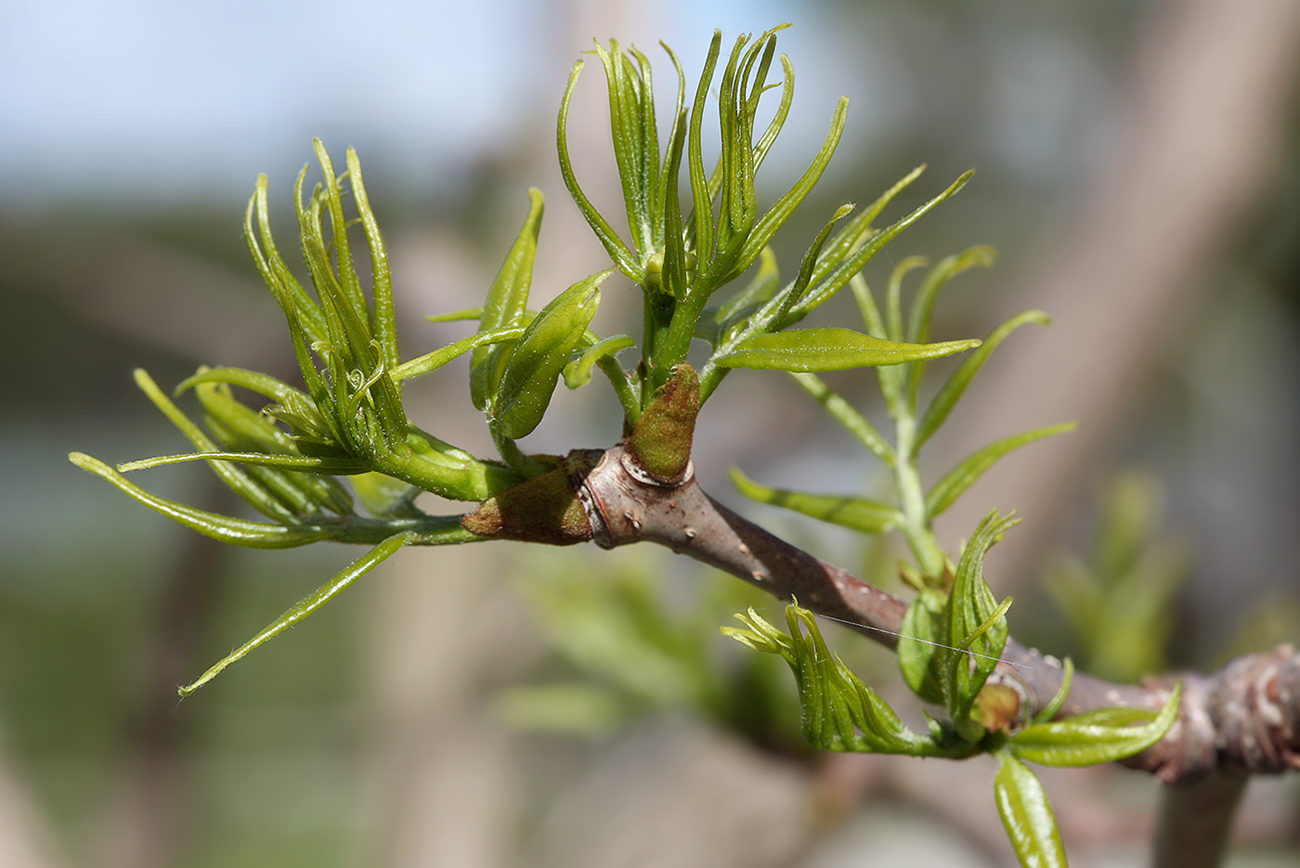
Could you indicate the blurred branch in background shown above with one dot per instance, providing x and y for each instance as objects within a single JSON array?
[
  {"x": 146, "y": 292},
  {"x": 1202, "y": 133}
]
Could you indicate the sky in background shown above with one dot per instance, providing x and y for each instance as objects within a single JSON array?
[{"x": 150, "y": 99}]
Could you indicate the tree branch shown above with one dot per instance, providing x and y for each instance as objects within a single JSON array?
[
  {"x": 1245, "y": 718},
  {"x": 1195, "y": 820}
]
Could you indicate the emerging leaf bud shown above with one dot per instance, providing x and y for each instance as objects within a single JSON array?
[
  {"x": 544, "y": 509},
  {"x": 661, "y": 442}
]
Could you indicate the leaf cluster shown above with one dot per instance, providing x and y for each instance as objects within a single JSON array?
[
  {"x": 955, "y": 630},
  {"x": 697, "y": 244},
  {"x": 917, "y": 507},
  {"x": 682, "y": 254},
  {"x": 840, "y": 713},
  {"x": 283, "y": 458},
  {"x": 282, "y": 450},
  {"x": 1086, "y": 739},
  {"x": 952, "y": 642}
]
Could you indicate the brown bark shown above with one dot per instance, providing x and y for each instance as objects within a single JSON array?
[
  {"x": 1195, "y": 821},
  {"x": 1245, "y": 718}
]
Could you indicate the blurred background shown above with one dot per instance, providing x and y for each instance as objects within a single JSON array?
[{"x": 1138, "y": 170}]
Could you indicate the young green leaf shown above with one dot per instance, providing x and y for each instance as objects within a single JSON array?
[
  {"x": 241, "y": 429},
  {"x": 381, "y": 282},
  {"x": 339, "y": 284},
  {"x": 304, "y": 314},
  {"x": 614, "y": 246},
  {"x": 955, "y": 386},
  {"x": 828, "y": 349},
  {"x": 977, "y": 626},
  {"x": 860, "y": 514},
  {"x": 666, "y": 201},
  {"x": 795, "y": 291},
  {"x": 240, "y": 532},
  {"x": 465, "y": 314},
  {"x": 577, "y": 373},
  {"x": 635, "y": 136},
  {"x": 347, "y": 313},
  {"x": 853, "y": 261},
  {"x": 678, "y": 262},
  {"x": 946, "y": 491},
  {"x": 234, "y": 478},
  {"x": 782, "y": 112},
  {"x": 925, "y": 635},
  {"x": 1097, "y": 737},
  {"x": 306, "y": 606},
  {"x": 480, "y": 340},
  {"x": 308, "y": 426},
  {"x": 535, "y": 363},
  {"x": 1027, "y": 815},
  {"x": 859, "y": 230},
  {"x": 781, "y": 212},
  {"x": 839, "y": 711},
  {"x": 737, "y": 201},
  {"x": 504, "y": 307},
  {"x": 305, "y": 463},
  {"x": 702, "y": 190},
  {"x": 255, "y": 381},
  {"x": 844, "y": 413}
]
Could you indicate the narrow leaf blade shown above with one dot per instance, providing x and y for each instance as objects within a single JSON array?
[
  {"x": 839, "y": 712},
  {"x": 614, "y": 246},
  {"x": 955, "y": 386},
  {"x": 481, "y": 340},
  {"x": 223, "y": 528},
  {"x": 249, "y": 489},
  {"x": 1027, "y": 815},
  {"x": 305, "y": 606},
  {"x": 506, "y": 301},
  {"x": 577, "y": 373},
  {"x": 786, "y": 205},
  {"x": 858, "y": 513},
  {"x": 858, "y": 230},
  {"x": 924, "y": 637},
  {"x": 853, "y": 262},
  {"x": 946, "y": 491},
  {"x": 540, "y": 355},
  {"x": 829, "y": 349},
  {"x": 304, "y": 463},
  {"x": 977, "y": 625},
  {"x": 1098, "y": 737}
]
